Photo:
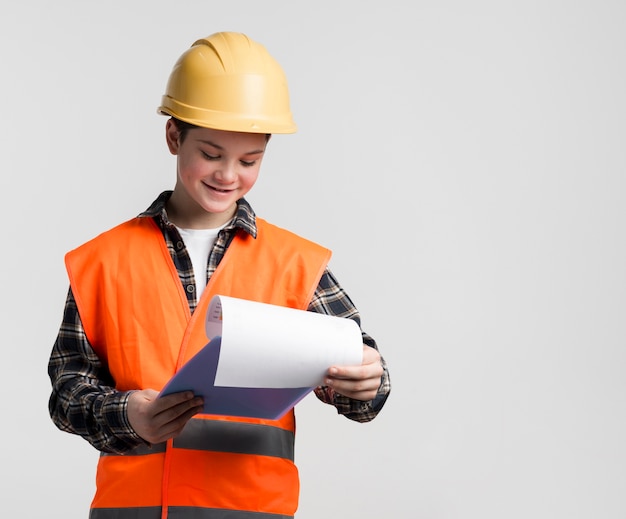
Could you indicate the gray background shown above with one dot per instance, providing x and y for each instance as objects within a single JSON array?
[{"x": 464, "y": 161}]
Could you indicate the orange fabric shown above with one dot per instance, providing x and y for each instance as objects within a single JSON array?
[
  {"x": 263, "y": 483},
  {"x": 136, "y": 317},
  {"x": 112, "y": 481}
]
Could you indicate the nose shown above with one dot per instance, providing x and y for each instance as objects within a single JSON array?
[{"x": 227, "y": 173}]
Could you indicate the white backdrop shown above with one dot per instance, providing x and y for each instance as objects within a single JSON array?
[{"x": 464, "y": 160}]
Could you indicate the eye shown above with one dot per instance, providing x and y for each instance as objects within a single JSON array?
[
  {"x": 210, "y": 157},
  {"x": 248, "y": 164}
]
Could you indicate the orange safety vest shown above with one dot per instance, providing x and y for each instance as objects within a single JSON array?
[{"x": 136, "y": 316}]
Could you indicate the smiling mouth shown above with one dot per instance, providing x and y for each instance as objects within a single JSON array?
[{"x": 219, "y": 190}]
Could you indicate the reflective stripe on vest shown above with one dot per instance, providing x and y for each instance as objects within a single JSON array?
[
  {"x": 223, "y": 436},
  {"x": 189, "y": 512},
  {"x": 136, "y": 316}
]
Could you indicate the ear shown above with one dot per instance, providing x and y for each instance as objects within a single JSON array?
[{"x": 172, "y": 133}]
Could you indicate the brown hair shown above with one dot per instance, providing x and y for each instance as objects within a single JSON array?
[{"x": 184, "y": 127}]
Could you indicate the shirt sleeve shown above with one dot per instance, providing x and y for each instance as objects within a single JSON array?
[
  {"x": 83, "y": 400},
  {"x": 331, "y": 299}
]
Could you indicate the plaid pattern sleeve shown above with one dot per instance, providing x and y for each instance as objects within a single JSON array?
[
  {"x": 331, "y": 299},
  {"x": 83, "y": 400}
]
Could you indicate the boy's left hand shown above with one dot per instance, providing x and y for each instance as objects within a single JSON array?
[{"x": 358, "y": 382}]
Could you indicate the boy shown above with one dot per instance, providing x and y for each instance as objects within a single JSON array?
[{"x": 139, "y": 292}]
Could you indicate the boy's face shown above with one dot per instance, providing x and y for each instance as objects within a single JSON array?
[{"x": 214, "y": 169}]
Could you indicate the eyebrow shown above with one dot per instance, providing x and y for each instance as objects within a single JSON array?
[{"x": 210, "y": 143}]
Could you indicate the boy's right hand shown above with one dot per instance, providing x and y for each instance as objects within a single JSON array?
[{"x": 159, "y": 419}]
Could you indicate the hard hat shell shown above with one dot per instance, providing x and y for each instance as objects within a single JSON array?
[{"x": 227, "y": 81}]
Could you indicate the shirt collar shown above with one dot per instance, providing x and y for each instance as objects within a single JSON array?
[{"x": 244, "y": 219}]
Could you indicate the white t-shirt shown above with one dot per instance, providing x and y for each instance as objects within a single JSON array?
[{"x": 199, "y": 243}]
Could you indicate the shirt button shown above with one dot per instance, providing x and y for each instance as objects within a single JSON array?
[
  {"x": 190, "y": 288},
  {"x": 180, "y": 245}
]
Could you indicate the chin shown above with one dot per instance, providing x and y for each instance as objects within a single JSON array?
[{"x": 219, "y": 208}]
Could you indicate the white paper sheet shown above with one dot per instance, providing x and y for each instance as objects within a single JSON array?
[{"x": 269, "y": 346}]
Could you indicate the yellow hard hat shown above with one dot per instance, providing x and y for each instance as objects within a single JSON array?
[{"x": 226, "y": 81}]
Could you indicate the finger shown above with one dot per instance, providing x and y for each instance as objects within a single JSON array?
[
  {"x": 172, "y": 400},
  {"x": 361, "y": 372},
  {"x": 180, "y": 410},
  {"x": 173, "y": 428},
  {"x": 355, "y": 386}
]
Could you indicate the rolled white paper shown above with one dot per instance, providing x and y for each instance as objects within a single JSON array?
[{"x": 272, "y": 346}]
